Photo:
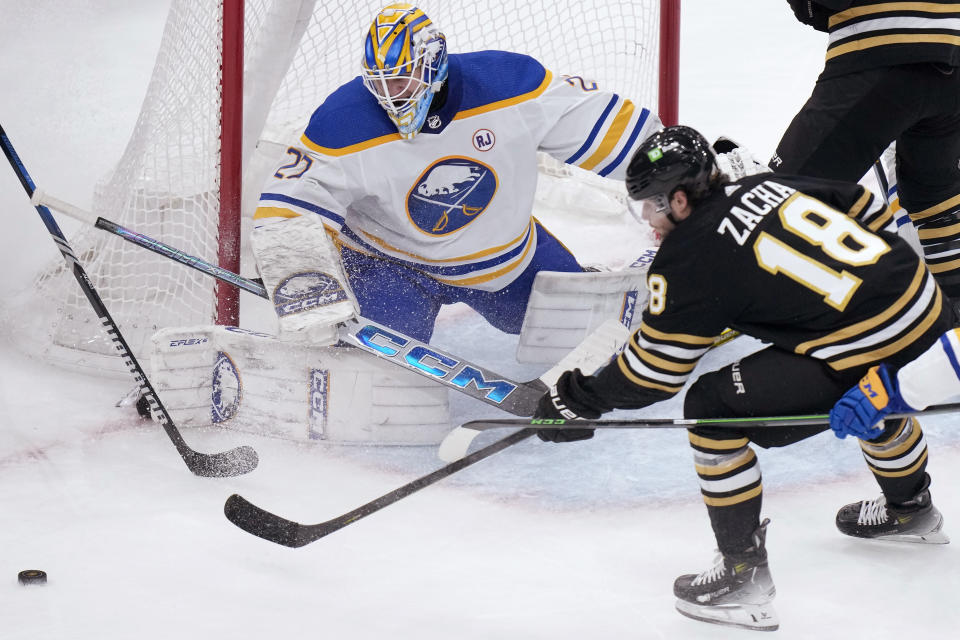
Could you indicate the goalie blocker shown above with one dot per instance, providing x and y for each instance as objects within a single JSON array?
[{"x": 254, "y": 382}]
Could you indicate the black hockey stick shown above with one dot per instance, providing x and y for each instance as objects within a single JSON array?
[
  {"x": 234, "y": 462},
  {"x": 274, "y": 528},
  {"x": 518, "y": 398},
  {"x": 457, "y": 442}
]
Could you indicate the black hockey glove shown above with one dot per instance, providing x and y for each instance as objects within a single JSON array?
[{"x": 567, "y": 400}]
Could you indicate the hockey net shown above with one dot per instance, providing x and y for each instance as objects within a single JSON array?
[{"x": 168, "y": 184}]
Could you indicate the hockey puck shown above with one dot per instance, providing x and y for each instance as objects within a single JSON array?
[{"x": 32, "y": 576}]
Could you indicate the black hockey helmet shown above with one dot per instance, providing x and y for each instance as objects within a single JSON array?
[{"x": 673, "y": 157}]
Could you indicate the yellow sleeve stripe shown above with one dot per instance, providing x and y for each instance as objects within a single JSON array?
[
  {"x": 612, "y": 137},
  {"x": 646, "y": 356},
  {"x": 883, "y": 7},
  {"x": 879, "y": 41},
  {"x": 869, "y": 323},
  {"x": 508, "y": 102},
  {"x": 274, "y": 212},
  {"x": 710, "y": 443},
  {"x": 935, "y": 209},
  {"x": 861, "y": 202},
  {"x": 882, "y": 221},
  {"x": 676, "y": 337},
  {"x": 353, "y": 148},
  {"x": 879, "y": 354},
  {"x": 643, "y": 382},
  {"x": 740, "y": 497}
]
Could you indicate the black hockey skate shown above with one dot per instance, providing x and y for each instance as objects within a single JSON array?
[
  {"x": 916, "y": 520},
  {"x": 738, "y": 591}
]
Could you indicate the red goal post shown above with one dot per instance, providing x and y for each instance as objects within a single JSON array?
[{"x": 234, "y": 83}]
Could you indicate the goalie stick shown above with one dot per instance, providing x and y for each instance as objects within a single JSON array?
[
  {"x": 518, "y": 398},
  {"x": 234, "y": 462},
  {"x": 454, "y": 446}
]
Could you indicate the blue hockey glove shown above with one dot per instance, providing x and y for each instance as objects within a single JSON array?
[
  {"x": 561, "y": 401},
  {"x": 861, "y": 409}
]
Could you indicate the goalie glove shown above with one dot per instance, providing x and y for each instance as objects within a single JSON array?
[
  {"x": 738, "y": 162},
  {"x": 566, "y": 400},
  {"x": 861, "y": 410},
  {"x": 301, "y": 271}
]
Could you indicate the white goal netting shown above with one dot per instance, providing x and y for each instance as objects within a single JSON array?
[{"x": 166, "y": 185}]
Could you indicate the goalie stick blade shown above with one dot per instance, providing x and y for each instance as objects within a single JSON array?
[
  {"x": 261, "y": 523},
  {"x": 235, "y": 462},
  {"x": 456, "y": 444}
]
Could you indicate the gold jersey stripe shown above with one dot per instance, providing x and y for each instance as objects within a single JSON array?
[
  {"x": 709, "y": 443},
  {"x": 737, "y": 499},
  {"x": 676, "y": 337},
  {"x": 935, "y": 209},
  {"x": 890, "y": 349},
  {"x": 942, "y": 267},
  {"x": 716, "y": 470},
  {"x": 507, "y": 102},
  {"x": 860, "y": 204},
  {"x": 868, "y": 324},
  {"x": 662, "y": 363},
  {"x": 613, "y": 135},
  {"x": 884, "y": 7},
  {"x": 879, "y": 41},
  {"x": 882, "y": 221},
  {"x": 903, "y": 472},
  {"x": 472, "y": 256},
  {"x": 939, "y": 232},
  {"x": 274, "y": 212},
  {"x": 487, "y": 277},
  {"x": 353, "y": 148},
  {"x": 643, "y": 382}
]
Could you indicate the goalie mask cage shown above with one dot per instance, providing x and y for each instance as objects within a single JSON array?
[{"x": 233, "y": 85}]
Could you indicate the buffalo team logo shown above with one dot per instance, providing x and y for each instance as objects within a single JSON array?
[
  {"x": 304, "y": 291},
  {"x": 226, "y": 389},
  {"x": 483, "y": 139},
  {"x": 450, "y": 194}
]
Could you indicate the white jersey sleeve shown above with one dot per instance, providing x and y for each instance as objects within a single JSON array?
[
  {"x": 591, "y": 127},
  {"x": 934, "y": 377}
]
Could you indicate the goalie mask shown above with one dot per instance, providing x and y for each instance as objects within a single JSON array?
[
  {"x": 671, "y": 158},
  {"x": 404, "y": 65}
]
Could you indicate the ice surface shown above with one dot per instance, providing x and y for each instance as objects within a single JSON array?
[{"x": 541, "y": 541}]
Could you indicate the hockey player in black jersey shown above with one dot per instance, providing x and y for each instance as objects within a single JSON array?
[
  {"x": 892, "y": 74},
  {"x": 802, "y": 263}
]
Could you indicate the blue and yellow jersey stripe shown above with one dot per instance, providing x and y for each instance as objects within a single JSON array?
[{"x": 475, "y": 269}]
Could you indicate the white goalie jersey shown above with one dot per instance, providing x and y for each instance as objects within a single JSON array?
[{"x": 455, "y": 201}]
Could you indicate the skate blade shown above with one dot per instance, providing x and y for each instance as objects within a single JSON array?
[
  {"x": 934, "y": 537},
  {"x": 758, "y": 617}
]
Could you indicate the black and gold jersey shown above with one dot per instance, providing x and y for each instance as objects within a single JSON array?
[
  {"x": 802, "y": 263},
  {"x": 865, "y": 34}
]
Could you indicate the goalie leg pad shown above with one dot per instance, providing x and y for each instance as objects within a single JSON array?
[
  {"x": 255, "y": 383},
  {"x": 564, "y": 308}
]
